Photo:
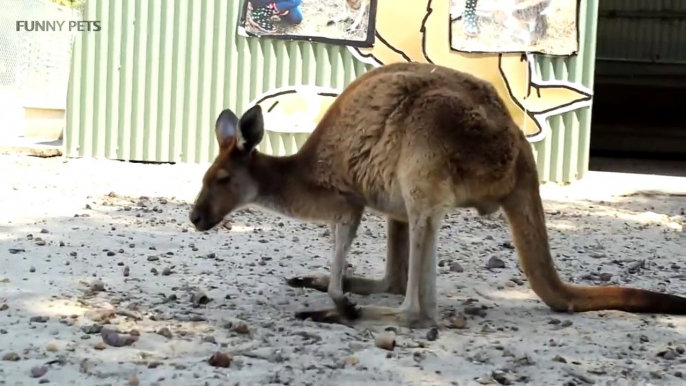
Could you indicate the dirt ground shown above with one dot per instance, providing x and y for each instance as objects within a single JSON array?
[
  {"x": 102, "y": 281},
  {"x": 316, "y": 17},
  {"x": 560, "y": 38}
]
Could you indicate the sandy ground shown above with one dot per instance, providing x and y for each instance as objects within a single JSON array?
[
  {"x": 89, "y": 248},
  {"x": 560, "y": 38}
]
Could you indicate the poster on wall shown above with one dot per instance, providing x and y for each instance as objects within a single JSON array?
[
  {"x": 341, "y": 22},
  {"x": 417, "y": 31},
  {"x": 547, "y": 27}
]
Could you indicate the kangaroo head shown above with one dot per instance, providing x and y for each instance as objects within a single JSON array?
[{"x": 228, "y": 183}]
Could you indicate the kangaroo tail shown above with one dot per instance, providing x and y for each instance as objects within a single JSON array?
[{"x": 524, "y": 212}]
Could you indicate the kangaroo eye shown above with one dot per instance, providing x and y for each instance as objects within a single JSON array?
[{"x": 224, "y": 180}]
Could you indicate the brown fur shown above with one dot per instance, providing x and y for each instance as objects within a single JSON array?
[{"x": 411, "y": 141}]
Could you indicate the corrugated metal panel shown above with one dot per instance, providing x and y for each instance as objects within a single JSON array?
[
  {"x": 149, "y": 85},
  {"x": 642, "y": 31}
]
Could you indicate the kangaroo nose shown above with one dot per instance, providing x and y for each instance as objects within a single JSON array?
[{"x": 195, "y": 217}]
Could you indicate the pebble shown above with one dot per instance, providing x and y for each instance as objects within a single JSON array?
[
  {"x": 39, "y": 319},
  {"x": 115, "y": 339},
  {"x": 495, "y": 262},
  {"x": 560, "y": 359},
  {"x": 38, "y": 371},
  {"x": 32, "y": 269},
  {"x": 500, "y": 377},
  {"x": 4, "y": 307},
  {"x": 241, "y": 327},
  {"x": 605, "y": 276},
  {"x": 432, "y": 334},
  {"x": 385, "y": 340},
  {"x": 199, "y": 298},
  {"x": 165, "y": 332},
  {"x": 220, "y": 359},
  {"x": 133, "y": 381},
  {"x": 457, "y": 321},
  {"x": 456, "y": 267},
  {"x": 11, "y": 357},
  {"x": 97, "y": 286},
  {"x": 472, "y": 310}
]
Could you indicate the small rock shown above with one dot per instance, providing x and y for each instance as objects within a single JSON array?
[
  {"x": 559, "y": 359},
  {"x": 38, "y": 371},
  {"x": 40, "y": 242},
  {"x": 500, "y": 377},
  {"x": 458, "y": 321},
  {"x": 153, "y": 258},
  {"x": 385, "y": 340},
  {"x": 668, "y": 354},
  {"x": 209, "y": 339},
  {"x": 100, "y": 346},
  {"x": 97, "y": 286},
  {"x": 167, "y": 271},
  {"x": 566, "y": 323},
  {"x": 456, "y": 267},
  {"x": 488, "y": 329},
  {"x": 432, "y": 334},
  {"x": 241, "y": 327},
  {"x": 680, "y": 350},
  {"x": 91, "y": 328},
  {"x": 165, "y": 332},
  {"x": 11, "y": 357},
  {"x": 495, "y": 262},
  {"x": 472, "y": 310},
  {"x": 220, "y": 359},
  {"x": 51, "y": 347},
  {"x": 39, "y": 319},
  {"x": 14, "y": 251},
  {"x": 351, "y": 361},
  {"x": 4, "y": 307},
  {"x": 115, "y": 339},
  {"x": 133, "y": 381},
  {"x": 199, "y": 298},
  {"x": 126, "y": 273},
  {"x": 605, "y": 276},
  {"x": 32, "y": 269}
]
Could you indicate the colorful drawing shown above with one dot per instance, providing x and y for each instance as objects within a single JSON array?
[
  {"x": 419, "y": 31},
  {"x": 346, "y": 22},
  {"x": 523, "y": 26}
]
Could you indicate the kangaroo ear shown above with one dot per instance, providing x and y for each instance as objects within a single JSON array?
[
  {"x": 226, "y": 128},
  {"x": 251, "y": 129}
]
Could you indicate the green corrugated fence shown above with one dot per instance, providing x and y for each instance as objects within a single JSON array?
[{"x": 149, "y": 85}]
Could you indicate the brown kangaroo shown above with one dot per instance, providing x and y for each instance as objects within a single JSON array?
[{"x": 410, "y": 141}]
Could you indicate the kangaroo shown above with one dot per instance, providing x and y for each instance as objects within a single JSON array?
[{"x": 411, "y": 141}]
